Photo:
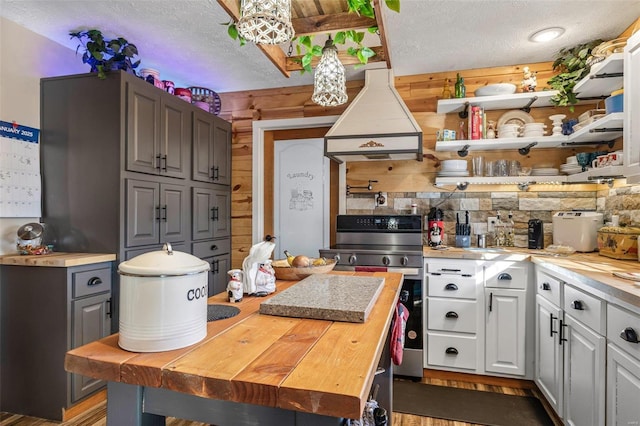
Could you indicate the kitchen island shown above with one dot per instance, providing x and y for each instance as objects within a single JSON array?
[{"x": 253, "y": 368}]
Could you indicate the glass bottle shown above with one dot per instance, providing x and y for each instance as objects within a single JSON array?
[
  {"x": 510, "y": 231},
  {"x": 446, "y": 90},
  {"x": 460, "y": 89},
  {"x": 461, "y": 135},
  {"x": 500, "y": 231}
]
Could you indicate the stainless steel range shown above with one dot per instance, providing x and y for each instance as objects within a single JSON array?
[{"x": 393, "y": 244}]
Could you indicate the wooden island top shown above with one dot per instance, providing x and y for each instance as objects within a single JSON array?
[{"x": 312, "y": 366}]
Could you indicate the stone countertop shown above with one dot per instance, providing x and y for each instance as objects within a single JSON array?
[
  {"x": 57, "y": 260},
  {"x": 589, "y": 269},
  {"x": 327, "y": 297}
]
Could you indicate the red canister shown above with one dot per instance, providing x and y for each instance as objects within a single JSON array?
[{"x": 182, "y": 93}]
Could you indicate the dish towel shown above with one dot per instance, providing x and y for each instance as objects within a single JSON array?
[{"x": 397, "y": 334}]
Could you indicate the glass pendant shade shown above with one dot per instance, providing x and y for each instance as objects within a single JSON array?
[
  {"x": 329, "y": 79},
  {"x": 266, "y": 21}
]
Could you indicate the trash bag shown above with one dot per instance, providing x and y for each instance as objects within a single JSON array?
[{"x": 259, "y": 254}]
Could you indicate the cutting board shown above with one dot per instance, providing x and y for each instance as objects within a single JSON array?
[{"x": 327, "y": 297}]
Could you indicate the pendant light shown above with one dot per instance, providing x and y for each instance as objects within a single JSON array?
[
  {"x": 266, "y": 21},
  {"x": 329, "y": 78}
]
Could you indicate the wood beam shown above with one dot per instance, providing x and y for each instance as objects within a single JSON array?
[
  {"x": 293, "y": 62},
  {"x": 328, "y": 23},
  {"x": 383, "y": 38}
]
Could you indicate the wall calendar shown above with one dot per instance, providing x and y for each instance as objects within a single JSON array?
[{"x": 20, "y": 183}]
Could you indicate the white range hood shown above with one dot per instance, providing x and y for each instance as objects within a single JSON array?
[{"x": 376, "y": 126}]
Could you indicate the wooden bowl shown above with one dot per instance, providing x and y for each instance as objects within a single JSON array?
[{"x": 289, "y": 273}]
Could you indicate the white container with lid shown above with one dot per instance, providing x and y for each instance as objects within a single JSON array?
[
  {"x": 577, "y": 229},
  {"x": 163, "y": 301}
]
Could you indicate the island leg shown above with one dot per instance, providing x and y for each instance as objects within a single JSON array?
[{"x": 124, "y": 407}]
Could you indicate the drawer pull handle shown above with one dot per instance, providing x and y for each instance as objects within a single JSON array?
[
  {"x": 546, "y": 286},
  {"x": 629, "y": 335},
  {"x": 94, "y": 281},
  {"x": 450, "y": 270},
  {"x": 561, "y": 337},
  {"x": 214, "y": 247},
  {"x": 551, "y": 330},
  {"x": 577, "y": 305},
  {"x": 451, "y": 286},
  {"x": 451, "y": 351},
  {"x": 451, "y": 314},
  {"x": 504, "y": 277},
  {"x": 490, "y": 301}
]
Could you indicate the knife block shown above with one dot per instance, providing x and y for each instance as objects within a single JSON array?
[{"x": 463, "y": 240}]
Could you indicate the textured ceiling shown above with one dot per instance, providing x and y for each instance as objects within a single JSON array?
[{"x": 187, "y": 43}]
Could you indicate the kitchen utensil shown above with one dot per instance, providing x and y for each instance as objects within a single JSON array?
[{"x": 163, "y": 301}]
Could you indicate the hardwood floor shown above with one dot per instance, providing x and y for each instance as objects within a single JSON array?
[{"x": 96, "y": 416}]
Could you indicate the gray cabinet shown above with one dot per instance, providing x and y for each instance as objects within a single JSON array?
[
  {"x": 156, "y": 213},
  {"x": 158, "y": 132},
  {"x": 46, "y": 311},
  {"x": 211, "y": 213},
  {"x": 211, "y": 149},
  {"x": 119, "y": 174},
  {"x": 218, "y": 254}
]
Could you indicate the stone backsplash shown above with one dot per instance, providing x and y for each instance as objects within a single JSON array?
[{"x": 621, "y": 200}]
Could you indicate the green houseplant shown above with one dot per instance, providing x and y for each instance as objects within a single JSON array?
[
  {"x": 104, "y": 55},
  {"x": 572, "y": 66}
]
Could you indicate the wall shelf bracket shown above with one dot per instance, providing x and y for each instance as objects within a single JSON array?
[
  {"x": 607, "y": 75},
  {"x": 610, "y": 144},
  {"x": 527, "y": 107},
  {"x": 465, "y": 112},
  {"x": 525, "y": 149},
  {"x": 462, "y": 152},
  {"x": 368, "y": 187}
]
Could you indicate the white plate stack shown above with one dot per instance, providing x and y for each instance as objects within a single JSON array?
[
  {"x": 571, "y": 167},
  {"x": 453, "y": 168},
  {"x": 544, "y": 171}
]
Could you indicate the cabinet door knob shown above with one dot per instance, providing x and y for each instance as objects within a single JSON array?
[
  {"x": 94, "y": 281},
  {"x": 546, "y": 286},
  {"x": 451, "y": 286},
  {"x": 504, "y": 277},
  {"x": 451, "y": 314},
  {"x": 451, "y": 351},
  {"x": 629, "y": 335},
  {"x": 577, "y": 305}
]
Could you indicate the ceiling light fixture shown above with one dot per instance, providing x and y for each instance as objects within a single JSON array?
[
  {"x": 266, "y": 21},
  {"x": 546, "y": 34},
  {"x": 329, "y": 80}
]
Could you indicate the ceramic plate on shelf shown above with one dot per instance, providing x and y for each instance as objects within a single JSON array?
[
  {"x": 496, "y": 89},
  {"x": 452, "y": 173},
  {"x": 515, "y": 116}
]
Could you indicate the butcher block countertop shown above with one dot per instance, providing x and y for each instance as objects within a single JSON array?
[
  {"x": 57, "y": 260},
  {"x": 314, "y": 366},
  {"x": 590, "y": 269}
]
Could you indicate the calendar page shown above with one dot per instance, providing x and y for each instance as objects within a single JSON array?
[{"x": 20, "y": 183}]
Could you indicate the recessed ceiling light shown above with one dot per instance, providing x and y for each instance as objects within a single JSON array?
[{"x": 547, "y": 34}]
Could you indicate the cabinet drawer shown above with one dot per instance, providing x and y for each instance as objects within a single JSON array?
[
  {"x": 458, "y": 267},
  {"x": 453, "y": 286},
  {"x": 618, "y": 320},
  {"x": 91, "y": 282},
  {"x": 584, "y": 307},
  {"x": 450, "y": 350},
  {"x": 211, "y": 248},
  {"x": 452, "y": 315},
  {"x": 506, "y": 275},
  {"x": 548, "y": 287}
]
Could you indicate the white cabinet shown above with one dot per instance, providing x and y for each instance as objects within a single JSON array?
[
  {"x": 548, "y": 356},
  {"x": 584, "y": 374},
  {"x": 631, "y": 107},
  {"x": 623, "y": 366},
  {"x": 476, "y": 316},
  {"x": 505, "y": 331},
  {"x": 570, "y": 350}
]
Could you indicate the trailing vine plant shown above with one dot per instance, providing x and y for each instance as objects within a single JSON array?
[
  {"x": 572, "y": 65},
  {"x": 363, "y": 53}
]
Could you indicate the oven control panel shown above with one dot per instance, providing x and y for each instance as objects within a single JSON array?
[{"x": 404, "y": 223}]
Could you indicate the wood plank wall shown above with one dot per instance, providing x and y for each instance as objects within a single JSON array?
[{"x": 420, "y": 93}]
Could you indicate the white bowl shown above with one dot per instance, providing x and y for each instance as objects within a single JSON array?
[
  {"x": 502, "y": 135},
  {"x": 572, "y": 160},
  {"x": 454, "y": 165},
  {"x": 496, "y": 89}
]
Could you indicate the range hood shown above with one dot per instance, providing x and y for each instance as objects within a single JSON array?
[{"x": 376, "y": 126}]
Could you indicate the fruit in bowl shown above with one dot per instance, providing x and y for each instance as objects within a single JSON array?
[{"x": 299, "y": 267}]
